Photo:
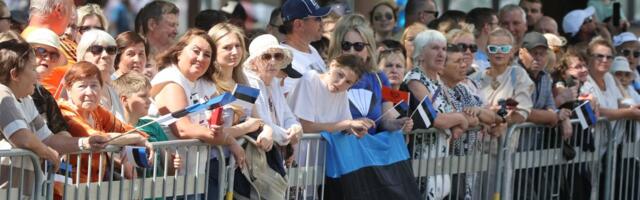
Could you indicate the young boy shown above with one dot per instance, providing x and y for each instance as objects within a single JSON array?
[{"x": 133, "y": 91}]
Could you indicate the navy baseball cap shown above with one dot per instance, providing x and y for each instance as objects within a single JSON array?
[{"x": 300, "y": 9}]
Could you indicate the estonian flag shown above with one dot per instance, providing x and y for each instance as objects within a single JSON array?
[
  {"x": 585, "y": 114},
  {"x": 246, "y": 96},
  {"x": 213, "y": 103},
  {"x": 395, "y": 97},
  {"x": 376, "y": 166},
  {"x": 423, "y": 114}
]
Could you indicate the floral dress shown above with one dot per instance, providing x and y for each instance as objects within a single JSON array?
[{"x": 429, "y": 145}]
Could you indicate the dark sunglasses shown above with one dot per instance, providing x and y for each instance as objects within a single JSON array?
[
  {"x": 588, "y": 20},
  {"x": 602, "y": 56},
  {"x": 42, "y": 52},
  {"x": 358, "y": 46},
  {"x": 461, "y": 47},
  {"x": 83, "y": 29},
  {"x": 97, "y": 49},
  {"x": 387, "y": 16},
  {"x": 627, "y": 53},
  {"x": 277, "y": 56}
]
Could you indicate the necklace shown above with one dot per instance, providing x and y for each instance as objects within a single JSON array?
[{"x": 495, "y": 83}]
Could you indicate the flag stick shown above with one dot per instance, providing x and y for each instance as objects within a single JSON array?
[
  {"x": 420, "y": 104},
  {"x": 394, "y": 106},
  {"x": 133, "y": 130}
]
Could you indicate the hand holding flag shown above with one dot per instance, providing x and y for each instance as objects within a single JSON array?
[{"x": 168, "y": 119}]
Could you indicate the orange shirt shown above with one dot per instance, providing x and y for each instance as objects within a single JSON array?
[{"x": 105, "y": 123}]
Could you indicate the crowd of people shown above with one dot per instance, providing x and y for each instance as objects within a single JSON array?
[{"x": 69, "y": 85}]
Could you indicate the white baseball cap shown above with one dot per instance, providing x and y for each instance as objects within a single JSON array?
[
  {"x": 623, "y": 37},
  {"x": 620, "y": 63},
  {"x": 46, "y": 37},
  {"x": 572, "y": 22}
]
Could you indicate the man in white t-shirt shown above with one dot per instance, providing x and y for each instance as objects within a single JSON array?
[{"x": 301, "y": 25}]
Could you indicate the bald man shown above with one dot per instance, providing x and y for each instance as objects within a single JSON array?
[{"x": 547, "y": 24}]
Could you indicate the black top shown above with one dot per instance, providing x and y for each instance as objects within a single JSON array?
[{"x": 48, "y": 109}]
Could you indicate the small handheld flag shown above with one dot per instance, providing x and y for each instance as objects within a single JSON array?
[
  {"x": 168, "y": 119},
  {"x": 216, "y": 116},
  {"x": 585, "y": 114},
  {"x": 401, "y": 98},
  {"x": 137, "y": 156},
  {"x": 246, "y": 96},
  {"x": 426, "y": 113}
]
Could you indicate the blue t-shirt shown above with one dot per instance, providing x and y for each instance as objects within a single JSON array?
[{"x": 371, "y": 82}]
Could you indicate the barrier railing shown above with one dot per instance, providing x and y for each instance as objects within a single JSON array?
[
  {"x": 20, "y": 177},
  {"x": 539, "y": 164},
  {"x": 114, "y": 180},
  {"x": 528, "y": 162}
]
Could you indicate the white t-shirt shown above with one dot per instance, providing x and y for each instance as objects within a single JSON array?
[
  {"x": 311, "y": 100},
  {"x": 303, "y": 62},
  {"x": 607, "y": 98}
]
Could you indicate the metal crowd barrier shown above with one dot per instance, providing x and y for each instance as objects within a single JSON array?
[
  {"x": 463, "y": 168},
  {"x": 624, "y": 175},
  {"x": 159, "y": 181},
  {"x": 539, "y": 164},
  {"x": 20, "y": 175}
]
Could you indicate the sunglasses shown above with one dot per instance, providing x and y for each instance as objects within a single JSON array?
[
  {"x": 492, "y": 49},
  {"x": 358, "y": 46},
  {"x": 387, "y": 16},
  {"x": 627, "y": 53},
  {"x": 97, "y": 49},
  {"x": 83, "y": 29},
  {"x": 603, "y": 57},
  {"x": 588, "y": 20},
  {"x": 42, "y": 52},
  {"x": 277, "y": 56},
  {"x": 462, "y": 47}
]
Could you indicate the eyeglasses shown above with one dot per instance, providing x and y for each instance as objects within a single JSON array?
[
  {"x": 435, "y": 13},
  {"x": 627, "y": 53},
  {"x": 358, "y": 46},
  {"x": 462, "y": 47},
  {"x": 42, "y": 52},
  {"x": 277, "y": 56},
  {"x": 588, "y": 20},
  {"x": 499, "y": 48},
  {"x": 387, "y": 16},
  {"x": 83, "y": 29},
  {"x": 603, "y": 57},
  {"x": 97, "y": 49}
]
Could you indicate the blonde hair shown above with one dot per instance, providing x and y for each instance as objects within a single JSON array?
[
  {"x": 358, "y": 23},
  {"x": 221, "y": 30},
  {"x": 91, "y": 10},
  {"x": 501, "y": 32},
  {"x": 417, "y": 27},
  {"x": 456, "y": 33},
  {"x": 130, "y": 83}
]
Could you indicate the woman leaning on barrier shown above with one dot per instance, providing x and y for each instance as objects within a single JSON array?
[
  {"x": 86, "y": 117},
  {"x": 22, "y": 126},
  {"x": 601, "y": 84},
  {"x": 354, "y": 36},
  {"x": 239, "y": 119},
  {"x": 423, "y": 81}
]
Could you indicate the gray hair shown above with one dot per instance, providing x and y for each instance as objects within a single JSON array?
[
  {"x": 44, "y": 7},
  {"x": 423, "y": 39},
  {"x": 510, "y": 8},
  {"x": 93, "y": 37}
]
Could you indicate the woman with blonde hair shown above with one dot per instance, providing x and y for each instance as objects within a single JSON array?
[
  {"x": 90, "y": 17},
  {"x": 353, "y": 36},
  {"x": 408, "y": 36},
  {"x": 230, "y": 53}
]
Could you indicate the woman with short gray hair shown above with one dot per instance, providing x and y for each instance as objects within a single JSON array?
[{"x": 99, "y": 48}]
